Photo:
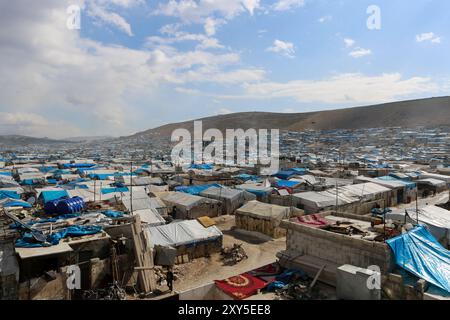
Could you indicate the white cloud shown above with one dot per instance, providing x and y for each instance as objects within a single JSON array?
[
  {"x": 46, "y": 69},
  {"x": 211, "y": 25},
  {"x": 430, "y": 36},
  {"x": 282, "y": 5},
  {"x": 325, "y": 19},
  {"x": 251, "y": 5},
  {"x": 360, "y": 52},
  {"x": 197, "y": 11},
  {"x": 348, "y": 89},
  {"x": 181, "y": 36},
  {"x": 109, "y": 17},
  {"x": 102, "y": 11},
  {"x": 284, "y": 48},
  {"x": 349, "y": 42},
  {"x": 187, "y": 91}
]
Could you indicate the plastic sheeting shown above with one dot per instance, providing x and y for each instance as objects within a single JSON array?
[
  {"x": 286, "y": 175},
  {"x": 6, "y": 194},
  {"x": 202, "y": 166},
  {"x": 50, "y": 195},
  {"x": 28, "y": 241},
  {"x": 260, "y": 210},
  {"x": 6, "y": 203},
  {"x": 196, "y": 190},
  {"x": 112, "y": 190},
  {"x": 436, "y": 219},
  {"x": 182, "y": 233},
  {"x": 418, "y": 252}
]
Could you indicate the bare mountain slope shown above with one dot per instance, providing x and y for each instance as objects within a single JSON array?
[{"x": 423, "y": 112}]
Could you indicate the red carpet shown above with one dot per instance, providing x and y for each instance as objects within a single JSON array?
[
  {"x": 313, "y": 220},
  {"x": 241, "y": 286}
]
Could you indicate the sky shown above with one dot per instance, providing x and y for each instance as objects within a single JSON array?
[{"x": 131, "y": 65}]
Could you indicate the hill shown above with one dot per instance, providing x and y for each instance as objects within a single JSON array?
[
  {"x": 424, "y": 112},
  {"x": 18, "y": 140}
]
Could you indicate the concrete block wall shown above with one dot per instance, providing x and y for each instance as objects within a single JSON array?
[
  {"x": 9, "y": 271},
  {"x": 336, "y": 248}
]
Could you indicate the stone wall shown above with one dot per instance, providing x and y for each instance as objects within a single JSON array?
[
  {"x": 9, "y": 271},
  {"x": 336, "y": 248}
]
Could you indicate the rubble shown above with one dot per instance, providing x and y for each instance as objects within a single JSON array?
[{"x": 233, "y": 255}]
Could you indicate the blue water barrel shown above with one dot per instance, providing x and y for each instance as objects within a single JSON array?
[
  {"x": 50, "y": 207},
  {"x": 69, "y": 206}
]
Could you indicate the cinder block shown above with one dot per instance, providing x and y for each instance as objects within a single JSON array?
[{"x": 353, "y": 283}]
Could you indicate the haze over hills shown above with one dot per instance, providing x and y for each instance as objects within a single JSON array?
[
  {"x": 412, "y": 113},
  {"x": 430, "y": 112},
  {"x": 18, "y": 140}
]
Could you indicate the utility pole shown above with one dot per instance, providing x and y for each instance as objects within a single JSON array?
[
  {"x": 417, "y": 208},
  {"x": 337, "y": 196},
  {"x": 131, "y": 186}
]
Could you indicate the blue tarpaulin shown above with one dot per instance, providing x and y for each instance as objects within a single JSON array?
[
  {"x": 50, "y": 195},
  {"x": 113, "y": 214},
  {"x": 202, "y": 166},
  {"x": 418, "y": 252},
  {"x": 300, "y": 170},
  {"x": 17, "y": 203},
  {"x": 287, "y": 183},
  {"x": 5, "y": 194},
  {"x": 28, "y": 241},
  {"x": 285, "y": 175},
  {"x": 78, "y": 165},
  {"x": 112, "y": 190},
  {"x": 196, "y": 190},
  {"x": 246, "y": 177}
]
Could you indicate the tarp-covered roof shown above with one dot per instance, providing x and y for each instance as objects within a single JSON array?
[
  {"x": 418, "y": 252},
  {"x": 184, "y": 199},
  {"x": 345, "y": 195},
  {"x": 435, "y": 218},
  {"x": 266, "y": 211},
  {"x": 181, "y": 233}
]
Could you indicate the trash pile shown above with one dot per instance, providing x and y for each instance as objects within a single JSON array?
[
  {"x": 113, "y": 292},
  {"x": 233, "y": 255},
  {"x": 294, "y": 285},
  {"x": 161, "y": 275}
]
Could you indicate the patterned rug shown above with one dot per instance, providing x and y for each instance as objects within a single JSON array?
[{"x": 241, "y": 286}]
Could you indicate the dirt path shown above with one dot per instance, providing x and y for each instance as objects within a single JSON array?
[{"x": 260, "y": 251}]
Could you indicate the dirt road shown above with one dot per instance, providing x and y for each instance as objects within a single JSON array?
[{"x": 260, "y": 251}]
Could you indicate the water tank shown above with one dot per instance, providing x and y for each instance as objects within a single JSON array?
[{"x": 70, "y": 206}]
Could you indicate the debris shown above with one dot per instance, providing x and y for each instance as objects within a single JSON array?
[
  {"x": 113, "y": 292},
  {"x": 233, "y": 255}
]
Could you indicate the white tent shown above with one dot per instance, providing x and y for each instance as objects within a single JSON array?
[
  {"x": 435, "y": 218},
  {"x": 181, "y": 233},
  {"x": 264, "y": 211}
]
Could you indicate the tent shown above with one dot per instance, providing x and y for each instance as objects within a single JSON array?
[
  {"x": 316, "y": 201},
  {"x": 50, "y": 195},
  {"x": 188, "y": 237},
  {"x": 190, "y": 207},
  {"x": 436, "y": 220},
  {"x": 196, "y": 190},
  {"x": 182, "y": 233},
  {"x": 418, "y": 252},
  {"x": 231, "y": 198},
  {"x": 150, "y": 217},
  {"x": 262, "y": 217}
]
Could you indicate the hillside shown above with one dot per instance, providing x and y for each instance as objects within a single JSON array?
[
  {"x": 423, "y": 112},
  {"x": 18, "y": 140}
]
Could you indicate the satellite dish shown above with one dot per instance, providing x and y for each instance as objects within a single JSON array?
[{"x": 31, "y": 200}]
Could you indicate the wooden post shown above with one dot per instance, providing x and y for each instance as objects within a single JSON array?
[{"x": 144, "y": 257}]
